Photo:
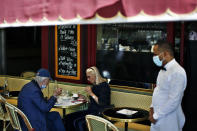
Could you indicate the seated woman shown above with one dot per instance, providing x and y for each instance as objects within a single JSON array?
[{"x": 99, "y": 95}]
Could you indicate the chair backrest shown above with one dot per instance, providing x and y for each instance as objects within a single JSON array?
[
  {"x": 96, "y": 123},
  {"x": 28, "y": 74},
  {"x": 13, "y": 113},
  {"x": 2, "y": 108}
]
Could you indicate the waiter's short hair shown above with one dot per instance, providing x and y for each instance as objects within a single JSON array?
[{"x": 165, "y": 46}]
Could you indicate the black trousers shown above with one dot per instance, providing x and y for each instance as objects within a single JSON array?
[{"x": 76, "y": 121}]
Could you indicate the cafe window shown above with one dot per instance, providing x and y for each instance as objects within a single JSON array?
[
  {"x": 23, "y": 49},
  {"x": 124, "y": 52},
  {"x": 177, "y": 40}
]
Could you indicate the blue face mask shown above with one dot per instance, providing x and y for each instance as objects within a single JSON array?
[
  {"x": 43, "y": 86},
  {"x": 157, "y": 61}
]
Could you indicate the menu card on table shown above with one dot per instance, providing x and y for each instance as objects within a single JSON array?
[{"x": 126, "y": 112}]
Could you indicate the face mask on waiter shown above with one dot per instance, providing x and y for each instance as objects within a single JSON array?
[{"x": 157, "y": 61}]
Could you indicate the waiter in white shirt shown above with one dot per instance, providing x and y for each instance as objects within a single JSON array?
[{"x": 166, "y": 112}]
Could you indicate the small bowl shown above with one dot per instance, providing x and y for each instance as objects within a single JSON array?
[
  {"x": 75, "y": 98},
  {"x": 66, "y": 98}
]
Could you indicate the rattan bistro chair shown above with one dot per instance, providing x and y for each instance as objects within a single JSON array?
[
  {"x": 96, "y": 123},
  {"x": 3, "y": 114},
  {"x": 14, "y": 114}
]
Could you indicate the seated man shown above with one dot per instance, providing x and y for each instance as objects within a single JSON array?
[{"x": 31, "y": 101}]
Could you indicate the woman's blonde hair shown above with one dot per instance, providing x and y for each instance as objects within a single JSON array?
[{"x": 94, "y": 71}]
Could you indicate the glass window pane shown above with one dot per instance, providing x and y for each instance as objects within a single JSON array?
[{"x": 124, "y": 52}]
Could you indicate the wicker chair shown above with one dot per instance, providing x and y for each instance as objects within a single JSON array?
[
  {"x": 13, "y": 113},
  {"x": 3, "y": 114},
  {"x": 96, "y": 123}
]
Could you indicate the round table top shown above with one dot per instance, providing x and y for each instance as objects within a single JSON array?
[
  {"x": 126, "y": 114},
  {"x": 68, "y": 103}
]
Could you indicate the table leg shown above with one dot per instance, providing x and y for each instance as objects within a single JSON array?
[
  {"x": 64, "y": 113},
  {"x": 126, "y": 126}
]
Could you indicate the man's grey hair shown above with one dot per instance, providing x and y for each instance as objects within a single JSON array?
[{"x": 40, "y": 79}]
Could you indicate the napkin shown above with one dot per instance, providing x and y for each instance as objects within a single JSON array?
[
  {"x": 69, "y": 103},
  {"x": 126, "y": 112}
]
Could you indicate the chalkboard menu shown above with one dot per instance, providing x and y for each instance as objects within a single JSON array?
[{"x": 67, "y": 51}]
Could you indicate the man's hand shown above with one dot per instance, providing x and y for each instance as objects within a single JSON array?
[
  {"x": 57, "y": 92},
  {"x": 151, "y": 112}
]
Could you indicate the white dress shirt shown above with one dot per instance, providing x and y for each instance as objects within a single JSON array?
[{"x": 167, "y": 97}]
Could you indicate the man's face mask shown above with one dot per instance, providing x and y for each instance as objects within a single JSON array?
[
  {"x": 43, "y": 86},
  {"x": 157, "y": 61}
]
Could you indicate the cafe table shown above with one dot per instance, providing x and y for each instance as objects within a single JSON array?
[
  {"x": 61, "y": 103},
  {"x": 125, "y": 114},
  {"x": 68, "y": 103}
]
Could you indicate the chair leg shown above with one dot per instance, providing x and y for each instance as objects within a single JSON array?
[
  {"x": 4, "y": 125},
  {"x": 8, "y": 125}
]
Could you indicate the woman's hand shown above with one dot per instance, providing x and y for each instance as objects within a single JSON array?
[
  {"x": 88, "y": 89},
  {"x": 81, "y": 96}
]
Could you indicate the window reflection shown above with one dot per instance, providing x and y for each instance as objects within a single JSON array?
[
  {"x": 124, "y": 52},
  {"x": 130, "y": 37}
]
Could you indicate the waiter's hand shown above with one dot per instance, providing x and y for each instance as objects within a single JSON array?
[
  {"x": 151, "y": 112},
  {"x": 57, "y": 92}
]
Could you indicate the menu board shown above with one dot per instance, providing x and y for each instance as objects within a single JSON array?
[{"x": 67, "y": 51}]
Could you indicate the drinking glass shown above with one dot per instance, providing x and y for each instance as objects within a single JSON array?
[{"x": 55, "y": 85}]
